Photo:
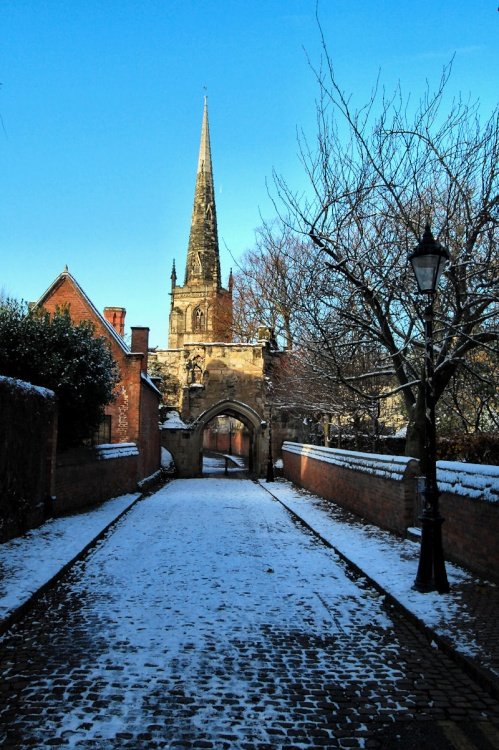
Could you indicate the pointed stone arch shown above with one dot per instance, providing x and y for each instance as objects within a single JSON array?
[{"x": 245, "y": 414}]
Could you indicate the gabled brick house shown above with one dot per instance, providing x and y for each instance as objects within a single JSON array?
[{"x": 133, "y": 416}]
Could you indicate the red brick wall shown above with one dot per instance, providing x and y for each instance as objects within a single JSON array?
[
  {"x": 124, "y": 411},
  {"x": 470, "y": 533},
  {"x": 382, "y": 501},
  {"x": 470, "y": 530},
  {"x": 149, "y": 445},
  {"x": 28, "y": 432},
  {"x": 220, "y": 442},
  {"x": 82, "y": 480},
  {"x": 140, "y": 343}
]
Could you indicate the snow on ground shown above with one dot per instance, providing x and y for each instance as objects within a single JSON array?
[
  {"x": 208, "y": 613},
  {"x": 29, "y": 561},
  {"x": 216, "y": 464},
  {"x": 167, "y": 461},
  {"x": 195, "y": 592},
  {"x": 386, "y": 559}
]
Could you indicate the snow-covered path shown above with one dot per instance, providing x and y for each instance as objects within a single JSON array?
[{"x": 209, "y": 618}]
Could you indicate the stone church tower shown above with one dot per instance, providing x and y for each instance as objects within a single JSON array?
[{"x": 201, "y": 309}]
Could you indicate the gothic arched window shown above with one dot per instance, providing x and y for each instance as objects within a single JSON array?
[{"x": 198, "y": 320}]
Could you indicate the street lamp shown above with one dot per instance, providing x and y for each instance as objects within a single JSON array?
[
  {"x": 428, "y": 260},
  {"x": 270, "y": 458}
]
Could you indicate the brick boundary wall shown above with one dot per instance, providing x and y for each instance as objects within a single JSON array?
[
  {"x": 383, "y": 490},
  {"x": 376, "y": 487},
  {"x": 469, "y": 503},
  {"x": 85, "y": 476},
  {"x": 28, "y": 428}
]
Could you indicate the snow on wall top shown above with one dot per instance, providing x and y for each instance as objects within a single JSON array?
[
  {"x": 388, "y": 467},
  {"x": 174, "y": 422},
  {"x": 477, "y": 481},
  {"x": 116, "y": 450},
  {"x": 22, "y": 385}
]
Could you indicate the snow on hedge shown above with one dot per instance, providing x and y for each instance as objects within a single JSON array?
[
  {"x": 388, "y": 467},
  {"x": 480, "y": 482},
  {"x": 22, "y": 385}
]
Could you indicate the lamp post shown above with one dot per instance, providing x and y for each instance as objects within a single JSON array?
[
  {"x": 428, "y": 260},
  {"x": 270, "y": 458}
]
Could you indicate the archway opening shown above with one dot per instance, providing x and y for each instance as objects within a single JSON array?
[
  {"x": 227, "y": 446},
  {"x": 240, "y": 412}
]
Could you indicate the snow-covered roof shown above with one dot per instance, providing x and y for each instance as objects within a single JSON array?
[{"x": 147, "y": 379}]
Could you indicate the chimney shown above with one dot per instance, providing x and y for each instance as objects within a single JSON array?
[
  {"x": 116, "y": 317},
  {"x": 140, "y": 343}
]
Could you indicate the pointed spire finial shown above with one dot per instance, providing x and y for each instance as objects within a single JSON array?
[
  {"x": 203, "y": 258},
  {"x": 66, "y": 269}
]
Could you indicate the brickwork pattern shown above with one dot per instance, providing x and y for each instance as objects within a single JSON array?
[
  {"x": 134, "y": 412},
  {"x": 28, "y": 427},
  {"x": 470, "y": 533},
  {"x": 82, "y": 480},
  {"x": 387, "y": 503},
  {"x": 470, "y": 530}
]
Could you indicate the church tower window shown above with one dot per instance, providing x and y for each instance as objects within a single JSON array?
[{"x": 198, "y": 320}]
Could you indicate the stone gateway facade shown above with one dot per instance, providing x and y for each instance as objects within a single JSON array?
[{"x": 207, "y": 373}]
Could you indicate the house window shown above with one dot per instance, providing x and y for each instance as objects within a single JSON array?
[{"x": 103, "y": 434}]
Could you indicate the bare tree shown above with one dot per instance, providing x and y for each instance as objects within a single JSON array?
[
  {"x": 371, "y": 193},
  {"x": 270, "y": 283}
]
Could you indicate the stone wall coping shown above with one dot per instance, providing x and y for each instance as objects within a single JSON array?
[
  {"x": 224, "y": 344},
  {"x": 115, "y": 450},
  {"x": 388, "y": 467},
  {"x": 476, "y": 481}
]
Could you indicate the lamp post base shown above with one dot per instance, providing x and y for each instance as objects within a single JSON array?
[{"x": 431, "y": 575}]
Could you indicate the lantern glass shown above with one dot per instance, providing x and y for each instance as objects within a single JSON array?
[
  {"x": 428, "y": 260},
  {"x": 427, "y": 270}
]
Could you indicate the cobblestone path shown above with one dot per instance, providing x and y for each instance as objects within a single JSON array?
[{"x": 207, "y": 618}]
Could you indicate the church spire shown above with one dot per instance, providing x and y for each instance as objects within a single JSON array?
[{"x": 203, "y": 259}]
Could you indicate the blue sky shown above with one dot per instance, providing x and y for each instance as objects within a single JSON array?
[{"x": 101, "y": 104}]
